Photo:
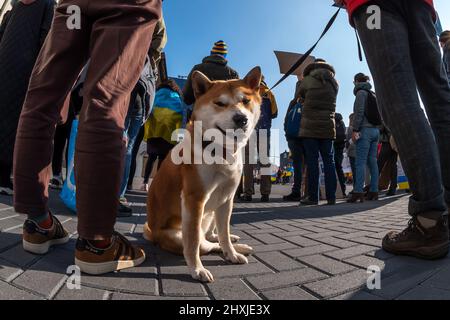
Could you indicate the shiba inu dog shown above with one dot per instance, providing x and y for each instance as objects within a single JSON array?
[{"x": 187, "y": 201}]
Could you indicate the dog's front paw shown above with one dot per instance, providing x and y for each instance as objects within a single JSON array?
[
  {"x": 243, "y": 248},
  {"x": 234, "y": 238},
  {"x": 236, "y": 258},
  {"x": 202, "y": 275}
]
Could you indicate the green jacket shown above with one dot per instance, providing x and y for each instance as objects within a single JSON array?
[{"x": 318, "y": 92}]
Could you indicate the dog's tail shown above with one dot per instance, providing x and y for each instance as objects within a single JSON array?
[{"x": 148, "y": 234}]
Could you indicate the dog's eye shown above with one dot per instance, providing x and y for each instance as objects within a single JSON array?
[
  {"x": 245, "y": 101},
  {"x": 220, "y": 104}
]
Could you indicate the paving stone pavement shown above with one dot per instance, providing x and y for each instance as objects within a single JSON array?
[{"x": 305, "y": 253}]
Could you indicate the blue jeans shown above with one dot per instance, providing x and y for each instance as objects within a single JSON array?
[
  {"x": 133, "y": 124},
  {"x": 312, "y": 149},
  {"x": 366, "y": 154}
]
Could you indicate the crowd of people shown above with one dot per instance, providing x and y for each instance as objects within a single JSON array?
[{"x": 116, "y": 115}]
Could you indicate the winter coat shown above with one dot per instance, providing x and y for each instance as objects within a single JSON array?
[
  {"x": 24, "y": 32},
  {"x": 215, "y": 67},
  {"x": 351, "y": 147},
  {"x": 362, "y": 96},
  {"x": 269, "y": 108},
  {"x": 318, "y": 92},
  {"x": 353, "y": 5}
]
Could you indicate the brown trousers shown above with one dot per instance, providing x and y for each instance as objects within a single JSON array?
[{"x": 116, "y": 36}]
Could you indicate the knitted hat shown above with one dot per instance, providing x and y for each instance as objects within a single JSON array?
[{"x": 220, "y": 48}]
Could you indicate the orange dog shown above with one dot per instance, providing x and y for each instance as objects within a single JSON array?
[{"x": 188, "y": 202}]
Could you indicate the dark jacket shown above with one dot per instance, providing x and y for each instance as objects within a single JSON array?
[
  {"x": 215, "y": 68},
  {"x": 447, "y": 59},
  {"x": 318, "y": 91},
  {"x": 361, "y": 92}
]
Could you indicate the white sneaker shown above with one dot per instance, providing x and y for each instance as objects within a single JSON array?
[
  {"x": 145, "y": 187},
  {"x": 6, "y": 191}
]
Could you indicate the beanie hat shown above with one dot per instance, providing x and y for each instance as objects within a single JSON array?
[
  {"x": 361, "y": 77},
  {"x": 220, "y": 48}
]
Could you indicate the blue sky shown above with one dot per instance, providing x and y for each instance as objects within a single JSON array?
[{"x": 253, "y": 29}]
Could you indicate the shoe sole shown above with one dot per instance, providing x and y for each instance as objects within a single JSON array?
[
  {"x": 426, "y": 253},
  {"x": 107, "y": 267},
  {"x": 43, "y": 248},
  {"x": 5, "y": 192}
]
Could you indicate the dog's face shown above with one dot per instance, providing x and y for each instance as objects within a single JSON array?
[{"x": 228, "y": 106}]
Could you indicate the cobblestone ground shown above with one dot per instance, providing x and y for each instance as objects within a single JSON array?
[{"x": 300, "y": 253}]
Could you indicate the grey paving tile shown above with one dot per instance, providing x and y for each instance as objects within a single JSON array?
[
  {"x": 285, "y": 279},
  {"x": 279, "y": 261},
  {"x": 349, "y": 252},
  {"x": 84, "y": 293},
  {"x": 426, "y": 293},
  {"x": 232, "y": 289},
  {"x": 326, "y": 264},
  {"x": 9, "y": 292},
  {"x": 291, "y": 293},
  {"x": 19, "y": 256},
  {"x": 339, "y": 284},
  {"x": 302, "y": 252},
  {"x": 8, "y": 270}
]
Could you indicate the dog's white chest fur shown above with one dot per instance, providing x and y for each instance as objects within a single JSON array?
[{"x": 220, "y": 182}]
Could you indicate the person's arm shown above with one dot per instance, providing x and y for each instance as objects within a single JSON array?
[
  {"x": 4, "y": 24},
  {"x": 188, "y": 91},
  {"x": 47, "y": 20},
  {"x": 359, "y": 110},
  {"x": 447, "y": 60},
  {"x": 274, "y": 105},
  {"x": 159, "y": 41}
]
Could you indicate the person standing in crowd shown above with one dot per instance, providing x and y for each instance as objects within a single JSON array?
[
  {"x": 404, "y": 58},
  {"x": 116, "y": 62},
  {"x": 141, "y": 104},
  {"x": 215, "y": 67},
  {"x": 339, "y": 147},
  {"x": 29, "y": 21},
  {"x": 292, "y": 123},
  {"x": 318, "y": 92},
  {"x": 351, "y": 148},
  {"x": 159, "y": 41},
  {"x": 166, "y": 118},
  {"x": 387, "y": 160},
  {"x": 365, "y": 136},
  {"x": 269, "y": 111},
  {"x": 444, "y": 40}
]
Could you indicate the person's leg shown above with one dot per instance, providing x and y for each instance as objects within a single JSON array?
[
  {"x": 432, "y": 83},
  {"x": 388, "y": 54},
  {"x": 119, "y": 45},
  {"x": 372, "y": 159},
  {"x": 296, "y": 147},
  {"x": 266, "y": 177},
  {"x": 327, "y": 152},
  {"x": 248, "y": 174},
  {"x": 362, "y": 151},
  {"x": 134, "y": 155},
  {"x": 338, "y": 159},
  {"x": 393, "y": 159},
  {"x": 353, "y": 167},
  {"x": 64, "y": 52},
  {"x": 59, "y": 143},
  {"x": 133, "y": 128},
  {"x": 152, "y": 157},
  {"x": 383, "y": 157},
  {"x": 5, "y": 178},
  {"x": 312, "y": 161}
]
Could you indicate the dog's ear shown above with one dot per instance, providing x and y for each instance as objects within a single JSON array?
[
  {"x": 200, "y": 84},
  {"x": 253, "y": 78}
]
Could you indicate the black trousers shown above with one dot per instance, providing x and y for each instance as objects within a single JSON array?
[
  {"x": 5, "y": 175},
  {"x": 60, "y": 142},
  {"x": 136, "y": 147},
  {"x": 338, "y": 159}
]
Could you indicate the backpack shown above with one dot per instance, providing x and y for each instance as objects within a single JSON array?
[
  {"x": 341, "y": 132},
  {"x": 371, "y": 112},
  {"x": 293, "y": 120}
]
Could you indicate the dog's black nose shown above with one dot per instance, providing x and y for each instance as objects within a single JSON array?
[{"x": 240, "y": 120}]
